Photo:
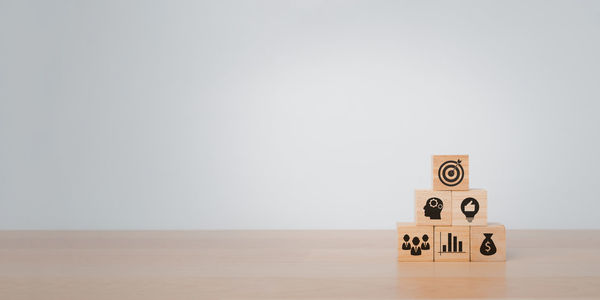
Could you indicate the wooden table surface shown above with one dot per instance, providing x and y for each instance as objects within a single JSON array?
[{"x": 282, "y": 264}]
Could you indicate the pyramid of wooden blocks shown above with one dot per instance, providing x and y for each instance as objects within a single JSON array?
[{"x": 451, "y": 219}]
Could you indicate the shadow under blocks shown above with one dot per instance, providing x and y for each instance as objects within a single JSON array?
[{"x": 451, "y": 219}]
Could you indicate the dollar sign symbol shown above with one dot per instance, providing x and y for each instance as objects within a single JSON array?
[{"x": 487, "y": 246}]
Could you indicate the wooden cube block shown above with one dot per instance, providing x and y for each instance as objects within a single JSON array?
[
  {"x": 488, "y": 243},
  {"x": 415, "y": 243},
  {"x": 469, "y": 207},
  {"x": 433, "y": 207},
  {"x": 450, "y": 172},
  {"x": 451, "y": 243}
]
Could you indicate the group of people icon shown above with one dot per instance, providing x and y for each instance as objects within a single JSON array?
[{"x": 416, "y": 247}]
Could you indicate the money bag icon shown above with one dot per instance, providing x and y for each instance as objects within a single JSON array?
[{"x": 487, "y": 246}]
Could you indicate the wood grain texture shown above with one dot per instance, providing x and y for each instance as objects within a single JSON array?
[
  {"x": 422, "y": 204},
  {"x": 498, "y": 237},
  {"x": 459, "y": 218},
  {"x": 285, "y": 265},
  {"x": 445, "y": 175},
  {"x": 420, "y": 238},
  {"x": 460, "y": 234}
]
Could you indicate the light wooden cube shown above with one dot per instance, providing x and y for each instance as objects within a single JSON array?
[
  {"x": 450, "y": 172},
  {"x": 452, "y": 243},
  {"x": 469, "y": 207},
  {"x": 488, "y": 243},
  {"x": 433, "y": 207},
  {"x": 415, "y": 243}
]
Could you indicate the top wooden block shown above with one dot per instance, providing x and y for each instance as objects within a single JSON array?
[{"x": 451, "y": 172}]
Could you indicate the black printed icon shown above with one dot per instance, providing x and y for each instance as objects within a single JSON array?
[
  {"x": 406, "y": 244},
  {"x": 469, "y": 207},
  {"x": 452, "y": 246},
  {"x": 451, "y": 173},
  {"x": 425, "y": 245},
  {"x": 417, "y": 247},
  {"x": 433, "y": 207},
  {"x": 487, "y": 246}
]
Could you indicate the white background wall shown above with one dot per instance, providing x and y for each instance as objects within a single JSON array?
[{"x": 294, "y": 114}]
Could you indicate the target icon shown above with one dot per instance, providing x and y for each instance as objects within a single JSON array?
[{"x": 451, "y": 173}]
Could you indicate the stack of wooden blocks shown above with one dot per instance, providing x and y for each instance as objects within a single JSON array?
[{"x": 451, "y": 220}]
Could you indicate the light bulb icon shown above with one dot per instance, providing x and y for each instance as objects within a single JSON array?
[{"x": 469, "y": 207}]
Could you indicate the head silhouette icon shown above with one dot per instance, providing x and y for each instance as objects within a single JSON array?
[
  {"x": 433, "y": 207},
  {"x": 416, "y": 241}
]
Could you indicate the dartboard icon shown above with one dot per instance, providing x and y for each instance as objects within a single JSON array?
[{"x": 451, "y": 173}]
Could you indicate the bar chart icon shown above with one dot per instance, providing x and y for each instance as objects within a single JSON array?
[{"x": 453, "y": 245}]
